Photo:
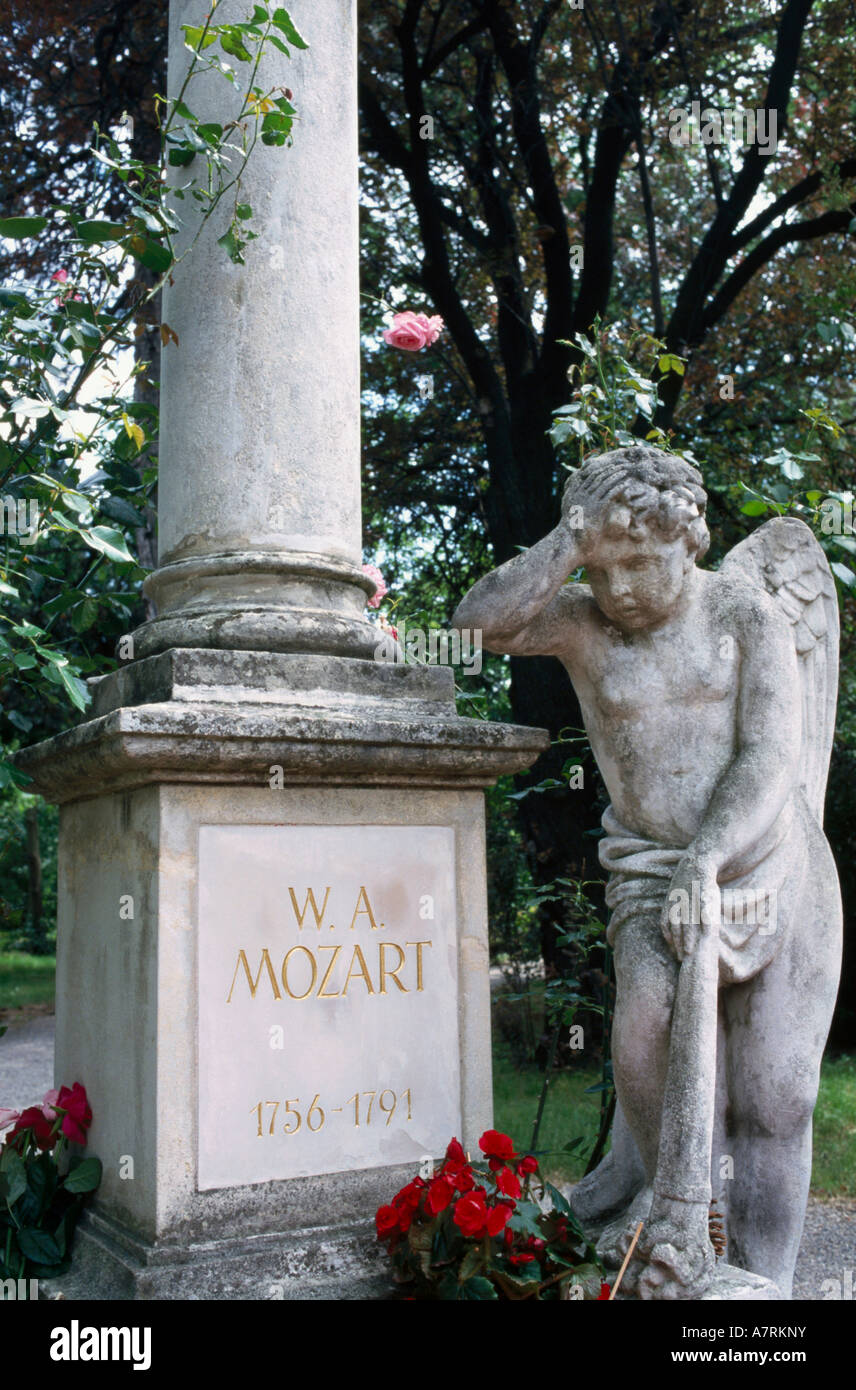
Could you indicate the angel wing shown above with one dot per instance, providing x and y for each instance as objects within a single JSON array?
[{"x": 784, "y": 558}]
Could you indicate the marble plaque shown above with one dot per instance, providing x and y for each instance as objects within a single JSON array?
[{"x": 327, "y": 997}]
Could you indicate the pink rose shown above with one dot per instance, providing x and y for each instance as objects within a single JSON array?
[
  {"x": 9, "y": 1117},
  {"x": 61, "y": 275},
  {"x": 374, "y": 573},
  {"x": 49, "y": 1104},
  {"x": 413, "y": 332}
]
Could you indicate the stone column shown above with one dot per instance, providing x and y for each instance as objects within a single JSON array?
[
  {"x": 259, "y": 486},
  {"x": 272, "y": 970}
]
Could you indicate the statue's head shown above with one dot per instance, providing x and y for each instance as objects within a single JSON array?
[{"x": 638, "y": 514}]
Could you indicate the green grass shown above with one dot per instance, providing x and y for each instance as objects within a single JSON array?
[
  {"x": 26, "y": 979},
  {"x": 834, "y": 1168},
  {"x": 569, "y": 1112}
]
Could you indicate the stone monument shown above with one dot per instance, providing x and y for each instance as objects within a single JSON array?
[
  {"x": 709, "y": 700},
  {"x": 272, "y": 970}
]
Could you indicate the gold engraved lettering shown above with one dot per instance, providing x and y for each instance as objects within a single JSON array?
[
  {"x": 321, "y": 987},
  {"x": 286, "y": 959},
  {"x": 254, "y": 984},
  {"x": 362, "y": 972},
  {"x": 393, "y": 972},
  {"x": 419, "y": 945},
  {"x": 364, "y": 911},
  {"x": 309, "y": 901}
]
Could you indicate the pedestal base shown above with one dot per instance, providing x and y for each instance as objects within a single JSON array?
[
  {"x": 342, "y": 1262},
  {"x": 272, "y": 965}
]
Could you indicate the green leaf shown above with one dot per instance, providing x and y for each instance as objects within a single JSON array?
[
  {"x": 560, "y": 1203},
  {"x": 97, "y": 230},
  {"x": 84, "y": 615},
  {"x": 244, "y": 211},
  {"x": 41, "y": 1181},
  {"x": 75, "y": 688},
  {"x": 211, "y": 132},
  {"x": 470, "y": 1264},
  {"x": 232, "y": 246},
  {"x": 755, "y": 507},
  {"x": 844, "y": 573},
  {"x": 193, "y": 36},
  {"x": 846, "y": 543},
  {"x": 109, "y": 541},
  {"x": 232, "y": 43},
  {"x": 11, "y": 777},
  {"x": 33, "y": 409},
  {"x": 670, "y": 362},
  {"x": 14, "y": 1172},
  {"x": 14, "y": 228},
  {"x": 8, "y": 589},
  {"x": 282, "y": 20},
  {"x": 120, "y": 510},
  {"x": 85, "y": 1177},
  {"x": 478, "y": 1288},
  {"x": 525, "y": 1219},
  {"x": 181, "y": 155},
  {"x": 39, "y": 1246},
  {"x": 19, "y": 720},
  {"x": 590, "y": 1277},
  {"x": 150, "y": 253}
]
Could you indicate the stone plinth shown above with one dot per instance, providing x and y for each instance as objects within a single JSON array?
[{"x": 198, "y": 980}]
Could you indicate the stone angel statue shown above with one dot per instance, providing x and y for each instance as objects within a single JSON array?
[{"x": 709, "y": 701}]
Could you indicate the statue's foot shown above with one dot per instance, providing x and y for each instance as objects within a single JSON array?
[
  {"x": 616, "y": 1238},
  {"x": 674, "y": 1258},
  {"x": 608, "y": 1188}
]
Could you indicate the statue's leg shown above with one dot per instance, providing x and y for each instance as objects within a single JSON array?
[
  {"x": 646, "y": 975},
  {"x": 616, "y": 1179},
  {"x": 776, "y": 1028}
]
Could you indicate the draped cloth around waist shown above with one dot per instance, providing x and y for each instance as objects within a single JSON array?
[{"x": 757, "y": 888}]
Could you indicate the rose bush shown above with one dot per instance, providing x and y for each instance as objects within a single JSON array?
[
  {"x": 487, "y": 1231},
  {"x": 42, "y": 1184}
]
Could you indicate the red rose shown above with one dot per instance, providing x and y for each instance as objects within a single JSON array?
[
  {"x": 440, "y": 1194},
  {"x": 34, "y": 1119},
  {"x": 460, "y": 1176},
  {"x": 529, "y": 1164},
  {"x": 497, "y": 1217},
  {"x": 406, "y": 1202},
  {"x": 78, "y": 1112},
  {"x": 471, "y": 1213},
  {"x": 496, "y": 1145},
  {"x": 386, "y": 1221},
  {"x": 507, "y": 1183},
  {"x": 605, "y": 1291},
  {"x": 455, "y": 1153}
]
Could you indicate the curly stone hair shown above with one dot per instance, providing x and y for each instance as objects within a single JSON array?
[{"x": 636, "y": 490}]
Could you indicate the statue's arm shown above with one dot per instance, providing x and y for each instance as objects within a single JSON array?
[
  {"x": 522, "y": 608},
  {"x": 765, "y": 769}
]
